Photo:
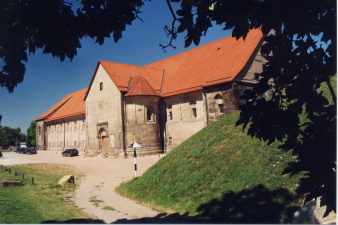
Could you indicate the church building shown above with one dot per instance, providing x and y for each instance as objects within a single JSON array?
[{"x": 159, "y": 105}]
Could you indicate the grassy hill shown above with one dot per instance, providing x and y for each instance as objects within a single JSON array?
[{"x": 221, "y": 175}]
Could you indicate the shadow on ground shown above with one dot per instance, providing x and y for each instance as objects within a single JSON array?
[
  {"x": 74, "y": 221},
  {"x": 256, "y": 205}
]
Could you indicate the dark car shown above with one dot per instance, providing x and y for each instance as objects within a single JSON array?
[
  {"x": 21, "y": 150},
  {"x": 30, "y": 151},
  {"x": 70, "y": 152}
]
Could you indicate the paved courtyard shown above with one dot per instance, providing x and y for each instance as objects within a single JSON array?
[{"x": 101, "y": 176}]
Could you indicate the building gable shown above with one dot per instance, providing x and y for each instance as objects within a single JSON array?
[{"x": 101, "y": 85}]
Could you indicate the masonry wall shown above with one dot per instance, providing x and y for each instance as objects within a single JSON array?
[
  {"x": 40, "y": 135},
  {"x": 142, "y": 123},
  {"x": 66, "y": 133},
  {"x": 182, "y": 119},
  {"x": 104, "y": 115}
]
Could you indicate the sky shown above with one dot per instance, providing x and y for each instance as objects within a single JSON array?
[{"x": 47, "y": 80}]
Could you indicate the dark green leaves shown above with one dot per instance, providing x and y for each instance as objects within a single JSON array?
[{"x": 53, "y": 26}]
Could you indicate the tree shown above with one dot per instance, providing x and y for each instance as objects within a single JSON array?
[
  {"x": 301, "y": 55},
  {"x": 31, "y": 134},
  {"x": 53, "y": 26},
  {"x": 8, "y": 136}
]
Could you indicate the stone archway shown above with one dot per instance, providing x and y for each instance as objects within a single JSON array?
[{"x": 103, "y": 139}]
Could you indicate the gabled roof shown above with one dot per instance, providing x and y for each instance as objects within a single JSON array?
[
  {"x": 120, "y": 73},
  {"x": 217, "y": 62},
  {"x": 72, "y": 105},
  {"x": 214, "y": 63},
  {"x": 55, "y": 107},
  {"x": 139, "y": 86}
]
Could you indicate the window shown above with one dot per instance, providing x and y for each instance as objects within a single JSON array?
[
  {"x": 150, "y": 114},
  {"x": 219, "y": 102},
  {"x": 193, "y": 108},
  {"x": 170, "y": 112},
  {"x": 170, "y": 142},
  {"x": 101, "y": 86}
]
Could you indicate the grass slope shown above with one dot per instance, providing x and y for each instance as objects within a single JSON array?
[
  {"x": 221, "y": 174},
  {"x": 217, "y": 166}
]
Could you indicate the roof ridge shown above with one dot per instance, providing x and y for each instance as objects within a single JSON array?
[{"x": 191, "y": 50}]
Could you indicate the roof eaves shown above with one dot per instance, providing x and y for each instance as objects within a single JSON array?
[
  {"x": 182, "y": 91},
  {"x": 66, "y": 116},
  {"x": 44, "y": 117}
]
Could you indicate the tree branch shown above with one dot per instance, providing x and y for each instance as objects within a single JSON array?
[{"x": 170, "y": 31}]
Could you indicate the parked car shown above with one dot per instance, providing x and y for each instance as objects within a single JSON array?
[
  {"x": 70, "y": 152},
  {"x": 31, "y": 150},
  {"x": 21, "y": 150}
]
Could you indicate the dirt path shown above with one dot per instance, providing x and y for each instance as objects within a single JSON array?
[{"x": 96, "y": 195}]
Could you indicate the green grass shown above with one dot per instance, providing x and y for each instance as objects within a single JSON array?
[
  {"x": 221, "y": 174},
  {"x": 40, "y": 202},
  {"x": 217, "y": 163},
  {"x": 109, "y": 208},
  {"x": 96, "y": 202}
]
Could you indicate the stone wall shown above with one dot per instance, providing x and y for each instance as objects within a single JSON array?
[
  {"x": 142, "y": 123},
  {"x": 186, "y": 115},
  {"x": 66, "y": 133},
  {"x": 104, "y": 116},
  {"x": 40, "y": 135}
]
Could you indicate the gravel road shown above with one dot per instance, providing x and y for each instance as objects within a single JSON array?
[{"x": 101, "y": 176}]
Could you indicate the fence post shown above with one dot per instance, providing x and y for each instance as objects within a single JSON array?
[
  {"x": 32, "y": 180},
  {"x": 10, "y": 170},
  {"x": 22, "y": 176}
]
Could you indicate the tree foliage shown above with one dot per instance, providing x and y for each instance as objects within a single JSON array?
[
  {"x": 31, "y": 134},
  {"x": 9, "y": 136},
  {"x": 56, "y": 26},
  {"x": 301, "y": 55}
]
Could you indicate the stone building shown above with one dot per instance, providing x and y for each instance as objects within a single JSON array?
[{"x": 158, "y": 105}]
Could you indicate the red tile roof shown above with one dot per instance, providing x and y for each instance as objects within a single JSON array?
[
  {"x": 217, "y": 62},
  {"x": 54, "y": 108},
  {"x": 214, "y": 63},
  {"x": 141, "y": 87},
  {"x": 121, "y": 73},
  {"x": 72, "y": 105}
]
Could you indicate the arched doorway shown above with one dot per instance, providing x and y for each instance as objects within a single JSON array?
[{"x": 103, "y": 138}]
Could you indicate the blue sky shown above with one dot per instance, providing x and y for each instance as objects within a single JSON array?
[{"x": 47, "y": 80}]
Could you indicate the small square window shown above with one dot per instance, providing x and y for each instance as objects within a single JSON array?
[
  {"x": 170, "y": 141},
  {"x": 170, "y": 115},
  {"x": 221, "y": 108},
  {"x": 101, "y": 86},
  {"x": 194, "y": 112}
]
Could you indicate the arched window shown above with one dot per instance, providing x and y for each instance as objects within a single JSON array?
[
  {"x": 150, "y": 113},
  {"x": 219, "y": 102},
  {"x": 193, "y": 108},
  {"x": 170, "y": 112}
]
